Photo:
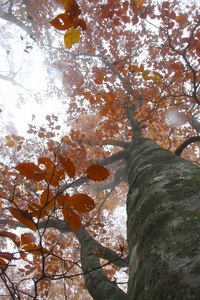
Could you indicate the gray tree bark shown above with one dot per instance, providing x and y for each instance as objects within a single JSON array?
[{"x": 163, "y": 211}]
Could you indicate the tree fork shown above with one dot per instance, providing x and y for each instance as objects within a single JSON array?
[{"x": 163, "y": 211}]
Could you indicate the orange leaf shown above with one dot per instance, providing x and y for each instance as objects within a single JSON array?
[
  {"x": 11, "y": 236},
  {"x": 3, "y": 264},
  {"x": 10, "y": 142},
  {"x": 99, "y": 77},
  {"x": 54, "y": 177},
  {"x": 81, "y": 202},
  {"x": 47, "y": 196},
  {"x": 47, "y": 162},
  {"x": 37, "y": 210},
  {"x": 24, "y": 217},
  {"x": 134, "y": 68},
  {"x": 72, "y": 218},
  {"x": 68, "y": 165},
  {"x": 30, "y": 171},
  {"x": 61, "y": 22},
  {"x": 181, "y": 19},
  {"x": 81, "y": 23},
  {"x": 6, "y": 255},
  {"x": 61, "y": 200},
  {"x": 97, "y": 173},
  {"x": 90, "y": 97},
  {"x": 27, "y": 238},
  {"x": 46, "y": 201},
  {"x": 72, "y": 8},
  {"x": 138, "y": 2},
  {"x": 32, "y": 248}
]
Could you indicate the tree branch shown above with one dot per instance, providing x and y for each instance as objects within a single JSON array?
[
  {"x": 8, "y": 16},
  {"x": 189, "y": 141}
]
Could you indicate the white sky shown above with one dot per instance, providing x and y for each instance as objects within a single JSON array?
[{"x": 29, "y": 68}]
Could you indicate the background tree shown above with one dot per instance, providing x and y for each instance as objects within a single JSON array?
[{"x": 133, "y": 73}]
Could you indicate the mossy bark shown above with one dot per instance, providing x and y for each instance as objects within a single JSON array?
[
  {"x": 163, "y": 225},
  {"x": 96, "y": 280}
]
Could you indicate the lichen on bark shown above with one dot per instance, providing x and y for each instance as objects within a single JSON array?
[{"x": 163, "y": 210}]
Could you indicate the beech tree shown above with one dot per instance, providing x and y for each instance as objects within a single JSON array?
[{"x": 130, "y": 73}]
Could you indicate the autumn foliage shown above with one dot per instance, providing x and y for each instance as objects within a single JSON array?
[
  {"x": 70, "y": 20},
  {"x": 124, "y": 67}
]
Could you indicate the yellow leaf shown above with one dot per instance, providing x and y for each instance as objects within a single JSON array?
[
  {"x": 71, "y": 37},
  {"x": 10, "y": 142},
  {"x": 145, "y": 73},
  {"x": 138, "y": 2},
  {"x": 151, "y": 133}
]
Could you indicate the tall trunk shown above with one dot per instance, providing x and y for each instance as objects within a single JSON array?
[{"x": 163, "y": 225}]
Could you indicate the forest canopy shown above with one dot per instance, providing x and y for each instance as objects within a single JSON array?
[{"x": 109, "y": 73}]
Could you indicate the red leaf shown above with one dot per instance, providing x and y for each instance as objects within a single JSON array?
[
  {"x": 47, "y": 162},
  {"x": 135, "y": 20},
  {"x": 61, "y": 22},
  {"x": 6, "y": 255},
  {"x": 81, "y": 23},
  {"x": 3, "y": 264},
  {"x": 90, "y": 97},
  {"x": 47, "y": 201},
  {"x": 27, "y": 238},
  {"x": 30, "y": 171},
  {"x": 11, "y": 236},
  {"x": 24, "y": 217},
  {"x": 32, "y": 248},
  {"x": 81, "y": 202},
  {"x": 47, "y": 196},
  {"x": 72, "y": 218},
  {"x": 68, "y": 165},
  {"x": 61, "y": 200},
  {"x": 97, "y": 173}
]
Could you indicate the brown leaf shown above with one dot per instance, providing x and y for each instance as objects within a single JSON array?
[
  {"x": 68, "y": 165},
  {"x": 47, "y": 196},
  {"x": 27, "y": 238},
  {"x": 6, "y": 255},
  {"x": 3, "y": 264},
  {"x": 81, "y": 202},
  {"x": 80, "y": 23},
  {"x": 97, "y": 173},
  {"x": 61, "y": 22},
  {"x": 24, "y": 217},
  {"x": 72, "y": 218},
  {"x": 30, "y": 171},
  {"x": 61, "y": 200},
  {"x": 11, "y": 236}
]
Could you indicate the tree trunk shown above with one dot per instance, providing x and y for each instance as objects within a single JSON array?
[{"x": 163, "y": 211}]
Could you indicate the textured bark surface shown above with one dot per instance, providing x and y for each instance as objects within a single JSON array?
[
  {"x": 163, "y": 209},
  {"x": 98, "y": 284}
]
